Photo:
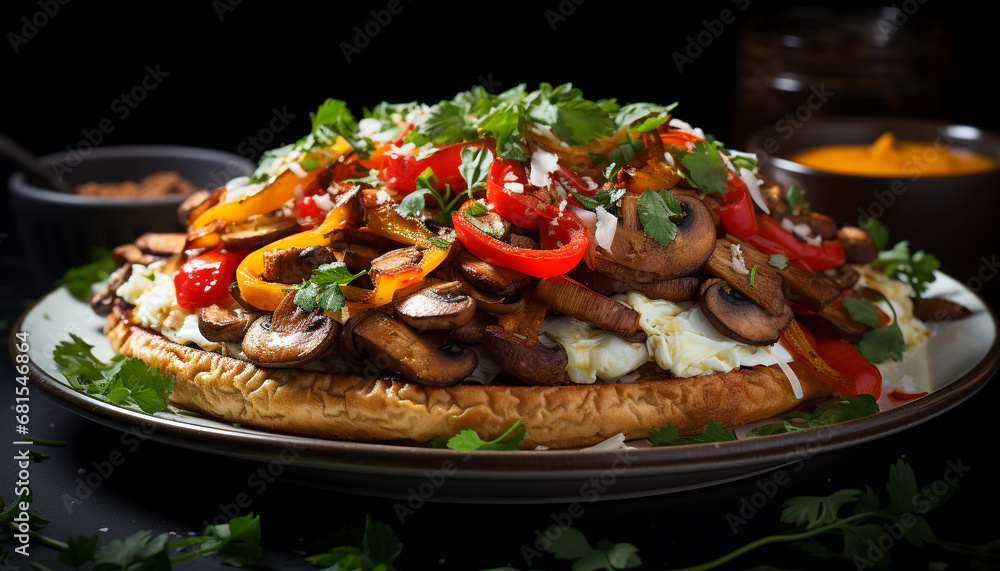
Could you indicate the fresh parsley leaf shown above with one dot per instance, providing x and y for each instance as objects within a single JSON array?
[
  {"x": 862, "y": 311},
  {"x": 269, "y": 159},
  {"x": 753, "y": 276},
  {"x": 606, "y": 199},
  {"x": 440, "y": 243},
  {"x": 828, "y": 412},
  {"x": 655, "y": 212},
  {"x": 795, "y": 200},
  {"x": 322, "y": 289},
  {"x": 506, "y": 122},
  {"x": 779, "y": 261},
  {"x": 122, "y": 381},
  {"x": 570, "y": 544},
  {"x": 475, "y": 209},
  {"x": 79, "y": 550},
  {"x": 878, "y": 232},
  {"x": 882, "y": 343},
  {"x": 627, "y": 149},
  {"x": 714, "y": 432},
  {"x": 81, "y": 279},
  {"x": 140, "y": 551},
  {"x": 238, "y": 540},
  {"x": 375, "y": 550},
  {"x": 633, "y": 112},
  {"x": 475, "y": 167},
  {"x": 916, "y": 269},
  {"x": 413, "y": 204},
  {"x": 573, "y": 118},
  {"x": 445, "y": 123},
  {"x": 708, "y": 170},
  {"x": 468, "y": 439}
]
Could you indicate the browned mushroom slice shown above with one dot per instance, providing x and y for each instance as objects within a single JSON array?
[
  {"x": 224, "y": 325},
  {"x": 531, "y": 361},
  {"x": 292, "y": 265},
  {"x": 435, "y": 306},
  {"x": 161, "y": 244},
  {"x": 766, "y": 288},
  {"x": 938, "y": 309},
  {"x": 197, "y": 202},
  {"x": 773, "y": 196},
  {"x": 634, "y": 256},
  {"x": 414, "y": 355},
  {"x": 490, "y": 278},
  {"x": 259, "y": 232},
  {"x": 819, "y": 224},
  {"x": 570, "y": 297},
  {"x": 528, "y": 321},
  {"x": 472, "y": 332},
  {"x": 290, "y": 337},
  {"x": 358, "y": 257},
  {"x": 675, "y": 290},
  {"x": 131, "y": 254},
  {"x": 859, "y": 248},
  {"x": 841, "y": 277},
  {"x": 104, "y": 300},
  {"x": 738, "y": 317}
]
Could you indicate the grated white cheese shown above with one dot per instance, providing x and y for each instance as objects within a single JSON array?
[
  {"x": 542, "y": 165},
  {"x": 739, "y": 262},
  {"x": 793, "y": 380},
  {"x": 323, "y": 201},
  {"x": 297, "y": 169},
  {"x": 515, "y": 187},
  {"x": 605, "y": 228},
  {"x": 382, "y": 196},
  {"x": 803, "y": 231},
  {"x": 749, "y": 178}
]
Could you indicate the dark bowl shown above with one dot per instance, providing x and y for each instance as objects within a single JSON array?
[
  {"x": 60, "y": 230},
  {"x": 952, "y": 217}
]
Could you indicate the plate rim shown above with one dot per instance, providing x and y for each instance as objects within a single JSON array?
[{"x": 407, "y": 461}]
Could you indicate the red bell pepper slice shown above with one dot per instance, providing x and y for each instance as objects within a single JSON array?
[
  {"x": 829, "y": 254},
  {"x": 737, "y": 214},
  {"x": 564, "y": 240},
  {"x": 524, "y": 209},
  {"x": 401, "y": 172},
  {"x": 836, "y": 363},
  {"x": 679, "y": 138}
]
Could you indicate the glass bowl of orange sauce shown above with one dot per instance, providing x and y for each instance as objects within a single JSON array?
[{"x": 934, "y": 183}]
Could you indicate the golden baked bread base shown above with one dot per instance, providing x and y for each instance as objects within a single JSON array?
[{"x": 350, "y": 407}]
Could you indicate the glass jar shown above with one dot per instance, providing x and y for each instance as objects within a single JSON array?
[{"x": 801, "y": 63}]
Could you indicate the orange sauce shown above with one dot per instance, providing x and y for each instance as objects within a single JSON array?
[{"x": 889, "y": 157}]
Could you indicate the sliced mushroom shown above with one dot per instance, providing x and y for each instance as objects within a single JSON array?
[
  {"x": 676, "y": 289},
  {"x": 938, "y": 309},
  {"x": 528, "y": 321},
  {"x": 842, "y": 277},
  {"x": 290, "y": 337},
  {"x": 161, "y": 244},
  {"x": 736, "y": 316},
  {"x": 634, "y": 256},
  {"x": 472, "y": 332},
  {"x": 197, "y": 202},
  {"x": 774, "y": 197},
  {"x": 131, "y": 254},
  {"x": 292, "y": 265},
  {"x": 358, "y": 257},
  {"x": 490, "y": 278},
  {"x": 259, "y": 232},
  {"x": 572, "y": 298},
  {"x": 414, "y": 355},
  {"x": 859, "y": 248},
  {"x": 819, "y": 224},
  {"x": 435, "y": 306},
  {"x": 766, "y": 289},
  {"x": 531, "y": 361},
  {"x": 104, "y": 300},
  {"x": 224, "y": 325}
]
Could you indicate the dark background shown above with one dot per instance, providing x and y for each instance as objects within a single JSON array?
[{"x": 230, "y": 68}]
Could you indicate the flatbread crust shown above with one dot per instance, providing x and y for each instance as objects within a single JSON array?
[{"x": 352, "y": 407}]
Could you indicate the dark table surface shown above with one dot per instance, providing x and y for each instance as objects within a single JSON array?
[{"x": 218, "y": 96}]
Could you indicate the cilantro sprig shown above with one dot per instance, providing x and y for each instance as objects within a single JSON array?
[
  {"x": 474, "y": 170},
  {"x": 124, "y": 381},
  {"x": 81, "y": 279},
  {"x": 878, "y": 343},
  {"x": 374, "y": 548},
  {"x": 468, "y": 439},
  {"x": 916, "y": 269},
  {"x": 658, "y": 212},
  {"x": 667, "y": 435},
  {"x": 322, "y": 289},
  {"x": 829, "y": 412}
]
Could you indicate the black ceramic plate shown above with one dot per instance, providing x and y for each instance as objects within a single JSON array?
[{"x": 962, "y": 356}]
